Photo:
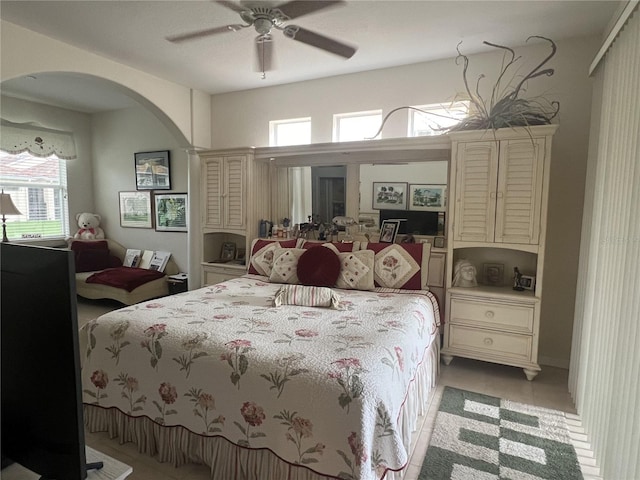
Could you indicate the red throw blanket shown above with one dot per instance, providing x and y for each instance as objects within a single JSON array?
[{"x": 125, "y": 277}]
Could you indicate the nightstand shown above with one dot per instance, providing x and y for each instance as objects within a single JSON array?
[{"x": 178, "y": 283}]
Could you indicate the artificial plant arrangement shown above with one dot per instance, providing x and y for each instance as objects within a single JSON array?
[{"x": 505, "y": 108}]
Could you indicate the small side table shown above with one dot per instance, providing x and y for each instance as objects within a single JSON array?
[{"x": 178, "y": 283}]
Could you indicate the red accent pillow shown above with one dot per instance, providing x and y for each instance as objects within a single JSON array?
[
  {"x": 91, "y": 256},
  {"x": 413, "y": 249},
  {"x": 319, "y": 267},
  {"x": 340, "y": 246},
  {"x": 259, "y": 244}
]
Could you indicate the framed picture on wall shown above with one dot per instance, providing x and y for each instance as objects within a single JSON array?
[
  {"x": 152, "y": 170},
  {"x": 171, "y": 212},
  {"x": 389, "y": 196},
  {"x": 135, "y": 209},
  {"x": 431, "y": 198}
]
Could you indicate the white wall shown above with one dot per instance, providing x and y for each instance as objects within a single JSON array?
[
  {"x": 174, "y": 103},
  {"x": 242, "y": 119},
  {"x": 117, "y": 135}
]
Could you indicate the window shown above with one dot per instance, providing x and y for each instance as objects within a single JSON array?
[
  {"x": 439, "y": 117},
  {"x": 355, "y": 126},
  {"x": 38, "y": 188},
  {"x": 295, "y": 131}
]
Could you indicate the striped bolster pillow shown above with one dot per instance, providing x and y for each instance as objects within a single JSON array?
[{"x": 307, "y": 296}]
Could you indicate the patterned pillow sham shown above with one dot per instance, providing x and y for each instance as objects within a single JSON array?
[
  {"x": 356, "y": 270},
  {"x": 285, "y": 265},
  {"x": 400, "y": 265},
  {"x": 306, "y": 296},
  {"x": 261, "y": 260}
]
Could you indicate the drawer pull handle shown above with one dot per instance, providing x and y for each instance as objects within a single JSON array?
[
  {"x": 488, "y": 341},
  {"x": 489, "y": 314}
]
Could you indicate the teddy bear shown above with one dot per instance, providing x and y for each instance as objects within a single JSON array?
[{"x": 89, "y": 224}]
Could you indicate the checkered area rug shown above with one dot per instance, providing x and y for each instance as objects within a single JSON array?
[{"x": 480, "y": 437}]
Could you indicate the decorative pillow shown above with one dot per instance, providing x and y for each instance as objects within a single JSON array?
[
  {"x": 336, "y": 246},
  {"x": 356, "y": 270},
  {"x": 262, "y": 254},
  {"x": 91, "y": 256},
  {"x": 319, "y": 267},
  {"x": 400, "y": 265},
  {"x": 285, "y": 265},
  {"x": 306, "y": 296}
]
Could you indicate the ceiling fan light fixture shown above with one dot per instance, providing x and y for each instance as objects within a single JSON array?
[{"x": 263, "y": 25}]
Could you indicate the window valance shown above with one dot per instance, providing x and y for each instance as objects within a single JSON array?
[{"x": 38, "y": 141}]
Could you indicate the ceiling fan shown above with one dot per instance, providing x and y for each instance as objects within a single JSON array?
[{"x": 264, "y": 18}]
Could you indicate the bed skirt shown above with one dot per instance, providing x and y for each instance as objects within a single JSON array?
[{"x": 178, "y": 446}]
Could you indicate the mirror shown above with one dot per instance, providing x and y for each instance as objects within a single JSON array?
[{"x": 330, "y": 191}]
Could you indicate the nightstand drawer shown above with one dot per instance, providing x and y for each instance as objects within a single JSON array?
[
  {"x": 487, "y": 342},
  {"x": 516, "y": 318}
]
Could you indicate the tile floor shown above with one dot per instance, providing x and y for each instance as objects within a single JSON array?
[{"x": 549, "y": 389}]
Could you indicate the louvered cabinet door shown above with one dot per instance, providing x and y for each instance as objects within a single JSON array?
[
  {"x": 234, "y": 192},
  {"x": 520, "y": 178},
  {"x": 476, "y": 180},
  {"x": 212, "y": 190}
]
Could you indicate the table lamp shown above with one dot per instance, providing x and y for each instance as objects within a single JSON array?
[{"x": 7, "y": 207}]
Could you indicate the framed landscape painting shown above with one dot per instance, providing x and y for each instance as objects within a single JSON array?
[
  {"x": 431, "y": 198},
  {"x": 389, "y": 196}
]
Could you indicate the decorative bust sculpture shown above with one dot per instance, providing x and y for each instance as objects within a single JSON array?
[{"x": 464, "y": 274}]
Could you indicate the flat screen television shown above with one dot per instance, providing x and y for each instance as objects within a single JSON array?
[
  {"x": 41, "y": 414},
  {"x": 415, "y": 222}
]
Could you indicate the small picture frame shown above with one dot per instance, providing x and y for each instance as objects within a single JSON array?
[
  {"x": 428, "y": 198},
  {"x": 152, "y": 170},
  {"x": 528, "y": 282},
  {"x": 493, "y": 274},
  {"x": 135, "y": 209},
  {"x": 389, "y": 195},
  {"x": 241, "y": 254},
  {"x": 228, "y": 252},
  {"x": 389, "y": 230},
  {"x": 438, "y": 242},
  {"x": 171, "y": 212}
]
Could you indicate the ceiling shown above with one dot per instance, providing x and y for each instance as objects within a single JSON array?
[{"x": 386, "y": 33}]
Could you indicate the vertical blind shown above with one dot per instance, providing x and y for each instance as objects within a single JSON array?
[{"x": 605, "y": 358}]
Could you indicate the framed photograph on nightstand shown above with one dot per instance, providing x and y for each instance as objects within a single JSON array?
[
  {"x": 528, "y": 282},
  {"x": 389, "y": 230}
]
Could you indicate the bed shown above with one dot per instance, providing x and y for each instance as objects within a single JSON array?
[{"x": 223, "y": 377}]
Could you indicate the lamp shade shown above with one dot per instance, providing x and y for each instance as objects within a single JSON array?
[{"x": 7, "y": 207}]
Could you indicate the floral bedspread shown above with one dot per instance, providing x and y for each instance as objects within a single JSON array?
[{"x": 319, "y": 387}]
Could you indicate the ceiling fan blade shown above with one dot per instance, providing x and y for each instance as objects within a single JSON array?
[
  {"x": 320, "y": 41},
  {"x": 205, "y": 33},
  {"x": 264, "y": 52},
  {"x": 298, "y": 8},
  {"x": 231, "y": 5}
]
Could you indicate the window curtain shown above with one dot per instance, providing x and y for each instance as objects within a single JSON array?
[
  {"x": 605, "y": 354},
  {"x": 16, "y": 138}
]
